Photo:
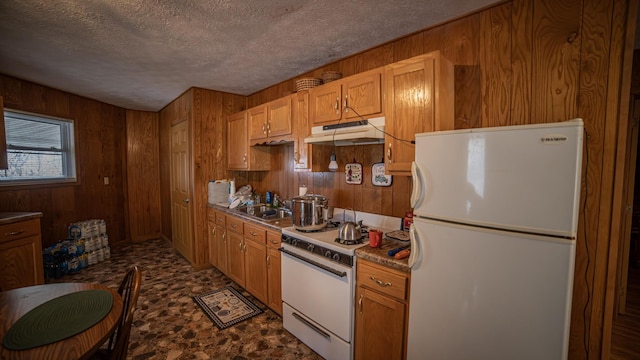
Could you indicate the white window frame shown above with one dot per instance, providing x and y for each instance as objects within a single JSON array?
[{"x": 67, "y": 128}]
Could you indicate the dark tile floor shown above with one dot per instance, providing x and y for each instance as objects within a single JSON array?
[{"x": 168, "y": 324}]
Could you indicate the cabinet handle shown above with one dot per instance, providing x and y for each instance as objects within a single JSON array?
[
  {"x": 264, "y": 128},
  {"x": 379, "y": 282},
  {"x": 336, "y": 106},
  {"x": 389, "y": 153},
  {"x": 268, "y": 128},
  {"x": 213, "y": 231},
  {"x": 244, "y": 158},
  {"x": 252, "y": 233},
  {"x": 234, "y": 226},
  {"x": 14, "y": 233},
  {"x": 240, "y": 246},
  {"x": 275, "y": 242},
  {"x": 244, "y": 248},
  {"x": 296, "y": 157},
  {"x": 360, "y": 303},
  {"x": 345, "y": 108},
  {"x": 224, "y": 236},
  {"x": 269, "y": 260}
]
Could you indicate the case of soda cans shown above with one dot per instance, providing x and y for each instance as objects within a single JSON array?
[{"x": 87, "y": 244}]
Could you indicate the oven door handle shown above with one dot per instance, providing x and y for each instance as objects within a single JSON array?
[
  {"x": 314, "y": 263},
  {"x": 309, "y": 324}
]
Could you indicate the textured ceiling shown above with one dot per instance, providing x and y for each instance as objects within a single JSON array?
[{"x": 142, "y": 54}]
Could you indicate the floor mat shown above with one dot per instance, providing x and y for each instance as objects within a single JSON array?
[{"x": 226, "y": 307}]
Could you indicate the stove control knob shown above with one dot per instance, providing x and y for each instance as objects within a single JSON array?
[
  {"x": 294, "y": 242},
  {"x": 310, "y": 247},
  {"x": 336, "y": 257},
  {"x": 327, "y": 253}
]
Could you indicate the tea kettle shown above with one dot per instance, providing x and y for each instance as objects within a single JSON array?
[{"x": 349, "y": 230}]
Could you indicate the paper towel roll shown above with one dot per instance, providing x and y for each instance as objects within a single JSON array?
[{"x": 302, "y": 190}]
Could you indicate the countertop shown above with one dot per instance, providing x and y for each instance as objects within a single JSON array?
[
  {"x": 379, "y": 255},
  {"x": 275, "y": 225},
  {"x": 12, "y": 217}
]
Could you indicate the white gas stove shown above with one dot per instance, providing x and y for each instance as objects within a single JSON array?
[{"x": 318, "y": 283}]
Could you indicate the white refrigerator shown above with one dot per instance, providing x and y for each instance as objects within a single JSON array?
[{"x": 493, "y": 242}]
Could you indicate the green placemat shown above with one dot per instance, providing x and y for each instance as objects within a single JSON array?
[{"x": 58, "y": 319}]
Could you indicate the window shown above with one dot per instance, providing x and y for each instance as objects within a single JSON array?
[{"x": 39, "y": 149}]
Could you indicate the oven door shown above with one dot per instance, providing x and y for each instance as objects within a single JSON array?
[{"x": 319, "y": 289}]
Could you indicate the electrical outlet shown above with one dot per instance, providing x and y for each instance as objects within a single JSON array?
[{"x": 106, "y": 180}]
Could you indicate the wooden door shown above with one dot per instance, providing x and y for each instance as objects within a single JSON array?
[
  {"x": 379, "y": 328},
  {"x": 181, "y": 217},
  {"x": 237, "y": 141},
  {"x": 257, "y": 119},
  {"x": 362, "y": 95},
  {"x": 325, "y": 103},
  {"x": 256, "y": 269},
  {"x": 279, "y": 117},
  {"x": 235, "y": 257},
  {"x": 627, "y": 226}
]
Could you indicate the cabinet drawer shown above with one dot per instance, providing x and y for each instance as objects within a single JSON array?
[
  {"x": 274, "y": 239},
  {"x": 255, "y": 233},
  {"x": 211, "y": 214},
  {"x": 234, "y": 224},
  {"x": 19, "y": 230},
  {"x": 220, "y": 219},
  {"x": 382, "y": 279}
]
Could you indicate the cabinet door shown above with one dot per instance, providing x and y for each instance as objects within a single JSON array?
[
  {"x": 419, "y": 98},
  {"x": 237, "y": 141},
  {"x": 235, "y": 256},
  {"x": 279, "y": 117},
  {"x": 274, "y": 280},
  {"x": 379, "y": 327},
  {"x": 257, "y": 118},
  {"x": 256, "y": 269},
  {"x": 212, "y": 242},
  {"x": 325, "y": 103},
  {"x": 362, "y": 93},
  {"x": 301, "y": 129},
  {"x": 221, "y": 248}
]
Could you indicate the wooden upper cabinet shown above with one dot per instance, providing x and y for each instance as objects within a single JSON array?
[
  {"x": 270, "y": 122},
  {"x": 419, "y": 98},
  {"x": 336, "y": 101},
  {"x": 4, "y": 164},
  {"x": 240, "y": 155}
]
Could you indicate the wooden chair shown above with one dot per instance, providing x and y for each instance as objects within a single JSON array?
[{"x": 119, "y": 342}]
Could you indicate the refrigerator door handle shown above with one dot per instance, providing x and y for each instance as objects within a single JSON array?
[
  {"x": 416, "y": 192},
  {"x": 415, "y": 246}
]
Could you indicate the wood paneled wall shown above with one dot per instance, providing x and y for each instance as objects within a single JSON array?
[
  {"x": 100, "y": 151},
  {"x": 143, "y": 175},
  {"x": 519, "y": 62}
]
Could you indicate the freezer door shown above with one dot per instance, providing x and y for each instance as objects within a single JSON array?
[
  {"x": 524, "y": 178},
  {"x": 486, "y": 294}
]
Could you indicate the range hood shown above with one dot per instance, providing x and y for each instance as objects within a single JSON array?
[{"x": 361, "y": 132}]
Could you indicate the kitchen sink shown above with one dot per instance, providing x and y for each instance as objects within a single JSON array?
[{"x": 266, "y": 212}]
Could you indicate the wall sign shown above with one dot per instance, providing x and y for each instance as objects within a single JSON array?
[
  {"x": 353, "y": 173},
  {"x": 378, "y": 177}
]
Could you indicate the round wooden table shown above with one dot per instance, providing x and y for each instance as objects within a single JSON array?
[{"x": 17, "y": 302}]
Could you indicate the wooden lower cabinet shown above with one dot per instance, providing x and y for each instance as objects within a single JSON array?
[
  {"x": 20, "y": 255},
  {"x": 211, "y": 237},
  {"x": 381, "y": 312},
  {"x": 274, "y": 280},
  {"x": 248, "y": 254}
]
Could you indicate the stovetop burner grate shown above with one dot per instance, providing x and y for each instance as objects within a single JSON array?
[{"x": 349, "y": 242}]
